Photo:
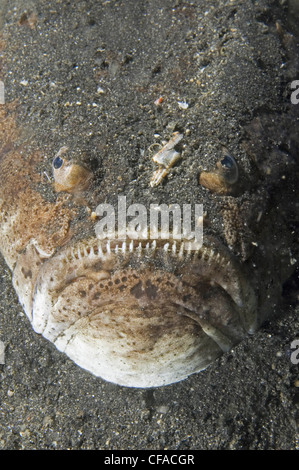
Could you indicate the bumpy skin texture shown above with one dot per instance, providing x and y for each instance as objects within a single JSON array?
[{"x": 137, "y": 313}]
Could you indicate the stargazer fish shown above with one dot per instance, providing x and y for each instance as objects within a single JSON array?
[{"x": 92, "y": 104}]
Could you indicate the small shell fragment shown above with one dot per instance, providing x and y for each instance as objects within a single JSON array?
[
  {"x": 183, "y": 104},
  {"x": 159, "y": 101},
  {"x": 166, "y": 158}
]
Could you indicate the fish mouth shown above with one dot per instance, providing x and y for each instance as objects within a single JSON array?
[{"x": 143, "y": 313}]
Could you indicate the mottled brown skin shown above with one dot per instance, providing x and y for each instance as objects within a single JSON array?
[
  {"x": 214, "y": 182},
  {"x": 25, "y": 215}
]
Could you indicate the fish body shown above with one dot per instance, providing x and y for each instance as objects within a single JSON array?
[{"x": 145, "y": 311}]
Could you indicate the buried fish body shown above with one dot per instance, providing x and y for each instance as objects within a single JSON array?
[{"x": 144, "y": 312}]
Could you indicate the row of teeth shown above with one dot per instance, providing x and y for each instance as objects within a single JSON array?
[{"x": 180, "y": 250}]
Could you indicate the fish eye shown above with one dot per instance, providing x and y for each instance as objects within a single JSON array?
[
  {"x": 57, "y": 163},
  {"x": 229, "y": 169},
  {"x": 227, "y": 161}
]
